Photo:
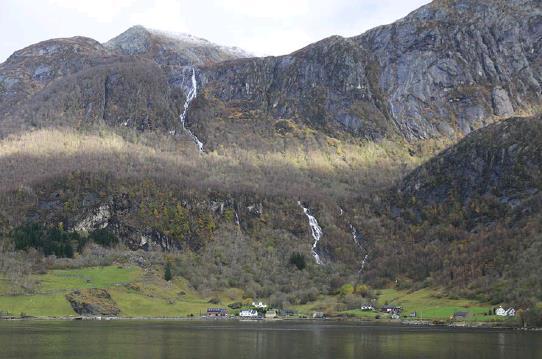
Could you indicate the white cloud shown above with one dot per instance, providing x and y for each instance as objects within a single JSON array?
[
  {"x": 161, "y": 15},
  {"x": 265, "y": 8},
  {"x": 101, "y": 10}
]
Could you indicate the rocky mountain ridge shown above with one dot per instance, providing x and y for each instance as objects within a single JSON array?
[{"x": 442, "y": 71}]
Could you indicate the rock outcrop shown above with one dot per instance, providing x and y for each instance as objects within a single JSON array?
[{"x": 93, "y": 302}]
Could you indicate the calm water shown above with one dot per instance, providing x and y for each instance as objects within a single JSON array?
[{"x": 234, "y": 340}]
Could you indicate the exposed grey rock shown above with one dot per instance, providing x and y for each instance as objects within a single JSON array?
[
  {"x": 446, "y": 69},
  {"x": 442, "y": 69},
  {"x": 97, "y": 219},
  {"x": 255, "y": 209},
  {"x": 501, "y": 102}
]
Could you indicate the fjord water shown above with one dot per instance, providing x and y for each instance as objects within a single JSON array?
[{"x": 235, "y": 340}]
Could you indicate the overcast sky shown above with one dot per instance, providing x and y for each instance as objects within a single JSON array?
[{"x": 262, "y": 27}]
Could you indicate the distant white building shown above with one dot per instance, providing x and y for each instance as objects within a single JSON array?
[
  {"x": 318, "y": 315},
  {"x": 367, "y": 307},
  {"x": 249, "y": 313},
  {"x": 501, "y": 312},
  {"x": 271, "y": 314},
  {"x": 259, "y": 305}
]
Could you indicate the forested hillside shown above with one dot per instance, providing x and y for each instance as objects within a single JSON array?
[{"x": 407, "y": 156}]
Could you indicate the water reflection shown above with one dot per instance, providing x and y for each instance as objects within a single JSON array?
[{"x": 225, "y": 339}]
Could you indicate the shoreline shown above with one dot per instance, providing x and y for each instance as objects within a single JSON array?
[{"x": 390, "y": 322}]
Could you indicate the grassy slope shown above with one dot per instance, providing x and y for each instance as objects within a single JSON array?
[
  {"x": 137, "y": 293},
  {"x": 140, "y": 293},
  {"x": 428, "y": 303}
]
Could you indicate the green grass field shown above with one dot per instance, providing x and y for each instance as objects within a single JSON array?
[
  {"x": 430, "y": 304},
  {"x": 145, "y": 294},
  {"x": 96, "y": 277},
  {"x": 138, "y": 294}
]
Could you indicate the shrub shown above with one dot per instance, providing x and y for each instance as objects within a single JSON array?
[
  {"x": 167, "y": 272},
  {"x": 346, "y": 289},
  {"x": 362, "y": 290},
  {"x": 298, "y": 260},
  {"x": 236, "y": 305}
]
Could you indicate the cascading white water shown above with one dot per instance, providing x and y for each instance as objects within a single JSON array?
[
  {"x": 316, "y": 232},
  {"x": 357, "y": 241},
  {"x": 192, "y": 93},
  {"x": 363, "y": 263}
]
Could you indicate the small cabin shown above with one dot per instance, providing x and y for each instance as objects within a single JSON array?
[
  {"x": 367, "y": 308},
  {"x": 318, "y": 315},
  {"x": 501, "y": 312},
  {"x": 391, "y": 309},
  {"x": 271, "y": 314},
  {"x": 216, "y": 312},
  {"x": 249, "y": 313},
  {"x": 287, "y": 312},
  {"x": 460, "y": 315}
]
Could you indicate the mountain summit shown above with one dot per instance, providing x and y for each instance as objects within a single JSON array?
[{"x": 172, "y": 48}]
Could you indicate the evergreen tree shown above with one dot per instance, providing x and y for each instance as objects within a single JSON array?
[{"x": 167, "y": 272}]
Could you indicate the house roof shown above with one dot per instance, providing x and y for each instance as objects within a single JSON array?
[{"x": 215, "y": 310}]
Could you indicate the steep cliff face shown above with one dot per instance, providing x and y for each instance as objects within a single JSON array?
[
  {"x": 456, "y": 65},
  {"x": 327, "y": 84},
  {"x": 446, "y": 69}
]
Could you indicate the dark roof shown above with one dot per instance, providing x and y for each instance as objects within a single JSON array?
[
  {"x": 215, "y": 310},
  {"x": 461, "y": 314}
]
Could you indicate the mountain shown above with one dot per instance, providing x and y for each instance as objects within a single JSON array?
[
  {"x": 447, "y": 68},
  {"x": 470, "y": 217},
  {"x": 134, "y": 79},
  {"x": 349, "y": 152}
]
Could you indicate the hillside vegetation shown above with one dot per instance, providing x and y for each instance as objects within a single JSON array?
[
  {"x": 470, "y": 217},
  {"x": 388, "y": 160}
]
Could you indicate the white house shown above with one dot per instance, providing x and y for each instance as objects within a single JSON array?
[
  {"x": 249, "y": 313},
  {"x": 367, "y": 307},
  {"x": 501, "y": 312},
  {"x": 259, "y": 305}
]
